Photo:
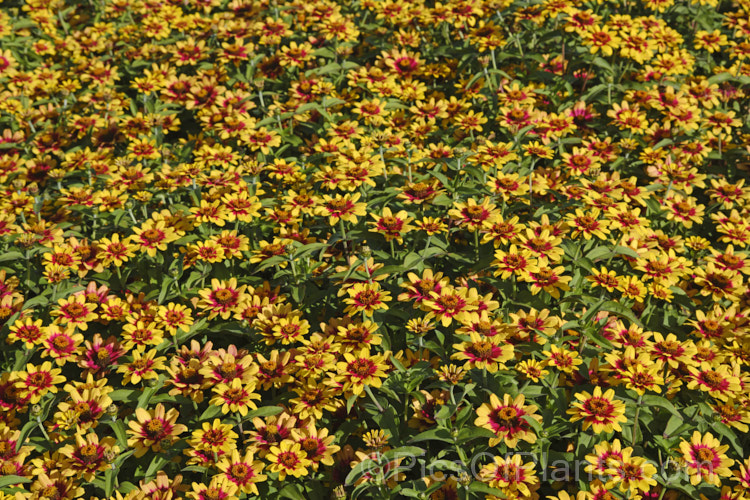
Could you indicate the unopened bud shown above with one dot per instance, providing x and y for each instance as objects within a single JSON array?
[
  {"x": 365, "y": 252},
  {"x": 464, "y": 478},
  {"x": 36, "y": 411},
  {"x": 112, "y": 410}
]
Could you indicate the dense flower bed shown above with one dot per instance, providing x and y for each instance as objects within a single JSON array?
[{"x": 374, "y": 249}]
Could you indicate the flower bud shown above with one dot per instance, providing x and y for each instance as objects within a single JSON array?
[
  {"x": 165, "y": 444},
  {"x": 464, "y": 478}
]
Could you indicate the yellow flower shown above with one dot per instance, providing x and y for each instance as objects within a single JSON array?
[
  {"x": 360, "y": 369},
  {"x": 342, "y": 207},
  {"x": 507, "y": 419},
  {"x": 243, "y": 471},
  {"x": 632, "y": 474},
  {"x": 366, "y": 298},
  {"x": 153, "y": 429},
  {"x": 706, "y": 459},
  {"x": 288, "y": 459},
  {"x": 600, "y": 411},
  {"x": 235, "y": 397}
]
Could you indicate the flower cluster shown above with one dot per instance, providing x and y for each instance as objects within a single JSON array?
[{"x": 374, "y": 249}]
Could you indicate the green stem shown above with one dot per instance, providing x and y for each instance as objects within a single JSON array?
[
  {"x": 372, "y": 397},
  {"x": 635, "y": 420},
  {"x": 343, "y": 235},
  {"x": 476, "y": 243},
  {"x": 41, "y": 428},
  {"x": 427, "y": 245}
]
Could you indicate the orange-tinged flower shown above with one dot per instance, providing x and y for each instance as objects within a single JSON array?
[
  {"x": 392, "y": 226},
  {"x": 510, "y": 475},
  {"x": 588, "y": 224},
  {"x": 484, "y": 353},
  {"x": 452, "y": 303},
  {"x": 223, "y": 298},
  {"x": 316, "y": 443},
  {"x": 173, "y": 317},
  {"x": 514, "y": 262},
  {"x": 507, "y": 420},
  {"x": 153, "y": 236},
  {"x": 139, "y": 335},
  {"x": 565, "y": 360},
  {"x": 604, "y": 278},
  {"x": 706, "y": 459},
  {"x": 601, "y": 411},
  {"x": 361, "y": 368},
  {"x": 288, "y": 459},
  {"x": 366, "y": 298},
  {"x": 88, "y": 455},
  {"x": 718, "y": 381},
  {"x": 547, "y": 278},
  {"x": 242, "y": 470},
  {"x": 75, "y": 311},
  {"x": 153, "y": 429},
  {"x": 631, "y": 474},
  {"x": 236, "y": 397},
  {"x": 35, "y": 382},
  {"x": 220, "y": 488},
  {"x": 471, "y": 215},
  {"x": 30, "y": 331},
  {"x": 600, "y": 38},
  {"x": 144, "y": 366},
  {"x": 342, "y": 207}
]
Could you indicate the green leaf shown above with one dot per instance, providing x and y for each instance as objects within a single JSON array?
[
  {"x": 25, "y": 431},
  {"x": 471, "y": 433},
  {"x": 402, "y": 452},
  {"x": 433, "y": 435},
  {"x": 727, "y": 432},
  {"x": 360, "y": 470},
  {"x": 148, "y": 392},
  {"x": 11, "y": 256},
  {"x": 157, "y": 464},
  {"x": 118, "y": 426},
  {"x": 210, "y": 413},
  {"x": 650, "y": 400},
  {"x": 292, "y": 491},
  {"x": 480, "y": 487},
  {"x": 124, "y": 395},
  {"x": 11, "y": 480},
  {"x": 109, "y": 481},
  {"x": 620, "y": 310},
  {"x": 264, "y": 411}
]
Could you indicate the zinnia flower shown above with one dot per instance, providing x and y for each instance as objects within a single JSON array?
[
  {"x": 506, "y": 419},
  {"x": 706, "y": 459},
  {"x": 600, "y": 411}
]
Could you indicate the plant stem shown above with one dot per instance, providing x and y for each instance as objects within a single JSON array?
[
  {"x": 372, "y": 397},
  {"x": 476, "y": 243},
  {"x": 635, "y": 420},
  {"x": 343, "y": 235},
  {"x": 427, "y": 245}
]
